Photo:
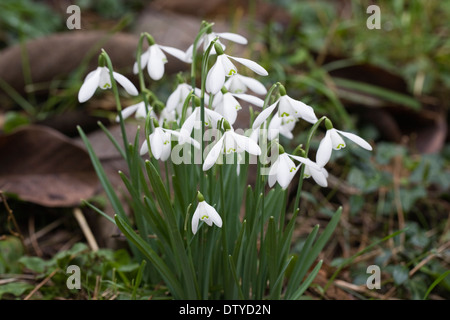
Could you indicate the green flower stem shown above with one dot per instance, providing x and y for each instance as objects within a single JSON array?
[
  {"x": 141, "y": 77},
  {"x": 205, "y": 60},
  {"x": 203, "y": 29},
  {"x": 302, "y": 169},
  {"x": 226, "y": 279},
  {"x": 260, "y": 180},
  {"x": 118, "y": 104}
]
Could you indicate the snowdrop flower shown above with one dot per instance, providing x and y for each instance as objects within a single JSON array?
[
  {"x": 138, "y": 109},
  {"x": 238, "y": 83},
  {"x": 177, "y": 97},
  {"x": 283, "y": 126},
  {"x": 160, "y": 143},
  {"x": 155, "y": 59},
  {"x": 209, "y": 36},
  {"x": 167, "y": 116},
  {"x": 226, "y": 104},
  {"x": 333, "y": 140},
  {"x": 100, "y": 78},
  {"x": 230, "y": 142},
  {"x": 287, "y": 107},
  {"x": 312, "y": 169},
  {"x": 205, "y": 212},
  {"x": 223, "y": 67},
  {"x": 284, "y": 169},
  {"x": 194, "y": 120}
]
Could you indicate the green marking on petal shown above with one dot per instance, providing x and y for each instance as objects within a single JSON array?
[
  {"x": 231, "y": 150},
  {"x": 166, "y": 142},
  {"x": 285, "y": 114},
  {"x": 106, "y": 86},
  {"x": 293, "y": 169},
  {"x": 204, "y": 217},
  {"x": 232, "y": 71},
  {"x": 340, "y": 145}
]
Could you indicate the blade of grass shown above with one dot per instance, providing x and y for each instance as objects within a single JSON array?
[
  {"x": 305, "y": 285},
  {"x": 110, "y": 192},
  {"x": 168, "y": 276},
  {"x": 435, "y": 283}
]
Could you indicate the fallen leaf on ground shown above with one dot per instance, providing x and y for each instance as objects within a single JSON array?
[{"x": 40, "y": 165}]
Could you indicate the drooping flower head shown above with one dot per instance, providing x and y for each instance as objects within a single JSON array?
[
  {"x": 100, "y": 78},
  {"x": 284, "y": 169},
  {"x": 334, "y": 141},
  {"x": 223, "y": 67},
  {"x": 238, "y": 83},
  {"x": 160, "y": 142},
  {"x": 206, "y": 213},
  {"x": 230, "y": 142},
  {"x": 226, "y": 103},
  {"x": 155, "y": 59},
  {"x": 139, "y": 111}
]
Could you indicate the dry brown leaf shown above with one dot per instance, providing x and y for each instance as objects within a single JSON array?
[{"x": 40, "y": 165}]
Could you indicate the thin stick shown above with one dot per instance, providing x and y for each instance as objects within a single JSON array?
[
  {"x": 11, "y": 217},
  {"x": 85, "y": 228},
  {"x": 33, "y": 238},
  {"x": 41, "y": 284}
]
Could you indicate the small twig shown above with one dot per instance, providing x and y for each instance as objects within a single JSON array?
[
  {"x": 33, "y": 238},
  {"x": 428, "y": 258},
  {"x": 41, "y": 284},
  {"x": 11, "y": 217},
  {"x": 398, "y": 201},
  {"x": 97, "y": 287},
  {"x": 85, "y": 228},
  {"x": 45, "y": 230},
  {"x": 356, "y": 288}
]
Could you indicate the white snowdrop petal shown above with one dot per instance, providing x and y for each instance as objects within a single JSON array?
[
  {"x": 89, "y": 86},
  {"x": 319, "y": 177},
  {"x": 128, "y": 111},
  {"x": 286, "y": 171},
  {"x": 144, "y": 148},
  {"x": 156, "y": 61},
  {"x": 213, "y": 215},
  {"x": 195, "y": 219},
  {"x": 323, "y": 154},
  {"x": 356, "y": 139},
  {"x": 233, "y": 37},
  {"x": 254, "y": 85},
  {"x": 213, "y": 117},
  {"x": 258, "y": 102},
  {"x": 177, "y": 53},
  {"x": 273, "y": 172},
  {"x": 174, "y": 99},
  {"x": 144, "y": 61},
  {"x": 252, "y": 65},
  {"x": 126, "y": 84},
  {"x": 189, "y": 123},
  {"x": 247, "y": 144},
  {"x": 336, "y": 140},
  {"x": 304, "y": 111},
  {"x": 156, "y": 142},
  {"x": 264, "y": 115},
  {"x": 215, "y": 77},
  {"x": 213, "y": 154}
]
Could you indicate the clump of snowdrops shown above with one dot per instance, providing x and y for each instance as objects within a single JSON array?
[{"x": 197, "y": 224}]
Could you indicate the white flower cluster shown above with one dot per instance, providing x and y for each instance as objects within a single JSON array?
[{"x": 225, "y": 87}]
